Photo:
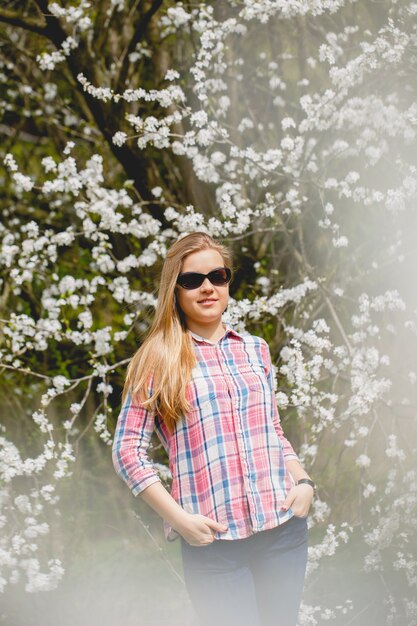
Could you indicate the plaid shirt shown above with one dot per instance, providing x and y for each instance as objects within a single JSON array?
[{"x": 227, "y": 459}]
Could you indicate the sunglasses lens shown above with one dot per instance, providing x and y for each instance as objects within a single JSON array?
[
  {"x": 220, "y": 277},
  {"x": 190, "y": 280}
]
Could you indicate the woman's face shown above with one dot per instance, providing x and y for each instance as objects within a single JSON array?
[{"x": 191, "y": 301}]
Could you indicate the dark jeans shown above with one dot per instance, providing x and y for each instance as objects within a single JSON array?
[{"x": 257, "y": 581}]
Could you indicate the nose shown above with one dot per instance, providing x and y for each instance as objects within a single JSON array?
[{"x": 206, "y": 284}]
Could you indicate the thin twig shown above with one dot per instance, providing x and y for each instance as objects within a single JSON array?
[
  {"x": 158, "y": 548},
  {"x": 71, "y": 380}
]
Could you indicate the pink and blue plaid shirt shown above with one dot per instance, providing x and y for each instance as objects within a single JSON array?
[{"x": 227, "y": 459}]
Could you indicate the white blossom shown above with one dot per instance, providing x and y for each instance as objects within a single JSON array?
[{"x": 119, "y": 139}]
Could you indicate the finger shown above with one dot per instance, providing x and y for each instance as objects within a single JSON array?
[
  {"x": 217, "y": 526},
  {"x": 300, "y": 508},
  {"x": 289, "y": 500}
]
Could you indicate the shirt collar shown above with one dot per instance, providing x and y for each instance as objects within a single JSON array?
[{"x": 228, "y": 330}]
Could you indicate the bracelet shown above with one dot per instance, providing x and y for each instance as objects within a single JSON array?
[{"x": 307, "y": 481}]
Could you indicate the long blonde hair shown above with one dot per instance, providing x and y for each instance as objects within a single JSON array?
[{"x": 166, "y": 357}]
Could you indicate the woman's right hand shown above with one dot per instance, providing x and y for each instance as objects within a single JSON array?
[{"x": 199, "y": 530}]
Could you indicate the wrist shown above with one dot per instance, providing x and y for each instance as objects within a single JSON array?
[
  {"x": 180, "y": 520},
  {"x": 307, "y": 481}
]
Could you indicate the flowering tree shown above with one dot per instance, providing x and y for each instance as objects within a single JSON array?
[{"x": 288, "y": 130}]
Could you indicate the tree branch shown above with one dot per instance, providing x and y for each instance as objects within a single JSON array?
[
  {"x": 53, "y": 29},
  {"x": 140, "y": 30},
  {"x": 101, "y": 28},
  {"x": 14, "y": 19}
]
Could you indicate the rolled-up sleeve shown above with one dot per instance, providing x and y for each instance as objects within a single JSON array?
[
  {"x": 288, "y": 450},
  {"x": 134, "y": 429}
]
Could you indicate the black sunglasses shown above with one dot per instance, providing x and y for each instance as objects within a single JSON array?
[{"x": 191, "y": 280}]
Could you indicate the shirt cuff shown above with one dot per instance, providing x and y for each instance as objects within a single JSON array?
[
  {"x": 140, "y": 485},
  {"x": 291, "y": 456}
]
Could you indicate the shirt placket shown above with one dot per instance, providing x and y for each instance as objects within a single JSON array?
[{"x": 243, "y": 444}]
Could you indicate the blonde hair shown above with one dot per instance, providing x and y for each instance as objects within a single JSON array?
[{"x": 164, "y": 361}]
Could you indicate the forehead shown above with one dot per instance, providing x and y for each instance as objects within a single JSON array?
[{"x": 202, "y": 261}]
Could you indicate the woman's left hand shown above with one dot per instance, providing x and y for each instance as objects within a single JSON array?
[{"x": 299, "y": 498}]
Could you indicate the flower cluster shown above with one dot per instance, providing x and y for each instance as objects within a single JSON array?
[{"x": 78, "y": 20}]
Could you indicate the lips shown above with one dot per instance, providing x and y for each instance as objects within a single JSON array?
[{"x": 207, "y": 300}]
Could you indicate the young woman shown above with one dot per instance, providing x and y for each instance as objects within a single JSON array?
[{"x": 239, "y": 497}]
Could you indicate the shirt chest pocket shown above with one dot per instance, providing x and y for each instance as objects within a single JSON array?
[
  {"x": 251, "y": 377},
  {"x": 255, "y": 398},
  {"x": 202, "y": 394}
]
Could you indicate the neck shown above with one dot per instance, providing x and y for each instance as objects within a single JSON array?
[{"x": 211, "y": 331}]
